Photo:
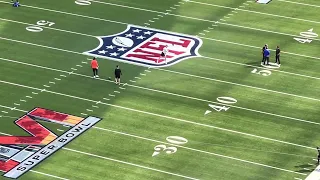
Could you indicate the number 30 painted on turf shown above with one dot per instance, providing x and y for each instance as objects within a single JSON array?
[
  {"x": 37, "y": 27},
  {"x": 169, "y": 150}
]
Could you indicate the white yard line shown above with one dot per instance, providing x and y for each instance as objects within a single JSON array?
[
  {"x": 163, "y": 92},
  {"x": 73, "y": 14},
  {"x": 256, "y": 47},
  {"x": 49, "y": 175},
  {"x": 185, "y": 74},
  {"x": 158, "y": 115},
  {"x": 254, "y": 12},
  {"x": 197, "y": 150},
  {"x": 211, "y": 39},
  {"x": 237, "y": 84},
  {"x": 239, "y": 26},
  {"x": 247, "y": 65},
  {"x": 110, "y": 159},
  {"x": 128, "y": 163},
  {"x": 207, "y": 4},
  {"x": 201, "y": 37},
  {"x": 304, "y": 4},
  {"x": 38, "y": 172}
]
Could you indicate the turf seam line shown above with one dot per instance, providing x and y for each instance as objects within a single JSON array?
[
  {"x": 196, "y": 150},
  {"x": 156, "y": 12},
  {"x": 163, "y": 92},
  {"x": 159, "y": 115}
]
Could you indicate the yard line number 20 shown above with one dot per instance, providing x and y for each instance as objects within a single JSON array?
[{"x": 38, "y": 26}]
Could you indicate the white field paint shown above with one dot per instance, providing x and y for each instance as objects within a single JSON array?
[
  {"x": 128, "y": 163},
  {"x": 164, "y": 92},
  {"x": 197, "y": 150},
  {"x": 128, "y": 23},
  {"x": 200, "y": 37},
  {"x": 304, "y": 4},
  {"x": 148, "y": 139},
  {"x": 185, "y": 74},
  {"x": 159, "y": 115},
  {"x": 110, "y": 159}
]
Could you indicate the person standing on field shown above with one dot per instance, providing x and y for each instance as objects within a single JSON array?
[
  {"x": 266, "y": 54},
  {"x": 95, "y": 66},
  {"x": 318, "y": 149},
  {"x": 278, "y": 55},
  {"x": 263, "y": 57},
  {"x": 117, "y": 73}
]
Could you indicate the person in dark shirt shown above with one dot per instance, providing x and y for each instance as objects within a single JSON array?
[
  {"x": 262, "y": 51},
  {"x": 117, "y": 73},
  {"x": 278, "y": 55},
  {"x": 318, "y": 149}
]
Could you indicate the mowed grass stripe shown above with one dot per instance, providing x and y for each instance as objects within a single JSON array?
[
  {"x": 154, "y": 114},
  {"x": 175, "y": 72},
  {"x": 114, "y": 160},
  {"x": 158, "y": 91},
  {"x": 196, "y": 110},
  {"x": 295, "y": 54},
  {"x": 82, "y": 145}
]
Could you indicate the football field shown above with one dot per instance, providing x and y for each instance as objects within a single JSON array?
[{"x": 216, "y": 115}]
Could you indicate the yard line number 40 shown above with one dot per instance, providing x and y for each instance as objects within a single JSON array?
[
  {"x": 306, "y": 37},
  {"x": 38, "y": 26},
  {"x": 176, "y": 140}
]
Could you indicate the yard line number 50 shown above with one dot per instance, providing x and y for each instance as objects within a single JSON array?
[{"x": 38, "y": 26}]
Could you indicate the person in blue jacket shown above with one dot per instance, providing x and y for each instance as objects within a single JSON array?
[{"x": 15, "y": 4}]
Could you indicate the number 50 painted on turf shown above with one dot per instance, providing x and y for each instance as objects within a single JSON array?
[{"x": 37, "y": 27}]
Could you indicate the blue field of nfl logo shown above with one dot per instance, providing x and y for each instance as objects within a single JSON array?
[{"x": 143, "y": 46}]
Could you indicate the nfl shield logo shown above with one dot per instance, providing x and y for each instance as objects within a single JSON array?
[{"x": 143, "y": 46}]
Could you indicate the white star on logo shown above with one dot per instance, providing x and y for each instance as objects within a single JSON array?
[
  {"x": 137, "y": 30},
  {"x": 122, "y": 49},
  {"x": 114, "y": 54},
  {"x": 110, "y": 47},
  {"x": 148, "y": 32},
  {"x": 102, "y": 52},
  {"x": 129, "y": 35},
  {"x": 140, "y": 37}
]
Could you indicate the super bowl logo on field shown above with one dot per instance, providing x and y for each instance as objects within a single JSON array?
[
  {"x": 19, "y": 154},
  {"x": 143, "y": 46}
]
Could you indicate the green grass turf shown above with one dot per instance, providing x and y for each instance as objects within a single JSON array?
[{"x": 170, "y": 101}]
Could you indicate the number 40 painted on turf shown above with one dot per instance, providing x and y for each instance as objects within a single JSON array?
[
  {"x": 177, "y": 140},
  {"x": 306, "y": 37},
  {"x": 224, "y": 100}
]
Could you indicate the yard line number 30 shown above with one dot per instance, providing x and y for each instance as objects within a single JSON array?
[
  {"x": 177, "y": 140},
  {"x": 38, "y": 26}
]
